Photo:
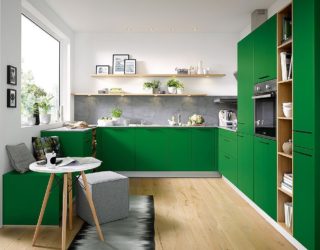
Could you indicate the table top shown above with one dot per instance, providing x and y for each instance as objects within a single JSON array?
[{"x": 64, "y": 169}]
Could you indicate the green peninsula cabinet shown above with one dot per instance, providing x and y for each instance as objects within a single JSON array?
[{"x": 265, "y": 175}]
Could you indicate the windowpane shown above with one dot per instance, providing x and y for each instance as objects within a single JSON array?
[{"x": 40, "y": 54}]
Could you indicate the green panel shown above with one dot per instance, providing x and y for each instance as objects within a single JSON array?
[
  {"x": 151, "y": 147},
  {"x": 116, "y": 148},
  {"x": 23, "y": 195},
  {"x": 265, "y": 53},
  {"x": 245, "y": 85},
  {"x": 245, "y": 164},
  {"x": 73, "y": 143},
  {"x": 304, "y": 140},
  {"x": 265, "y": 175},
  {"x": 178, "y": 150},
  {"x": 203, "y": 149}
]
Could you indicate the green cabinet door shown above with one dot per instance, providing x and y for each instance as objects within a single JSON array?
[
  {"x": 245, "y": 164},
  {"x": 265, "y": 175},
  {"x": 178, "y": 150},
  {"x": 265, "y": 51},
  {"x": 304, "y": 190},
  {"x": 116, "y": 148},
  {"x": 245, "y": 84},
  {"x": 203, "y": 149},
  {"x": 151, "y": 149}
]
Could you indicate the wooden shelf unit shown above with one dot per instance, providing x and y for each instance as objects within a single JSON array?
[
  {"x": 284, "y": 124},
  {"x": 137, "y": 94},
  {"x": 158, "y": 75}
]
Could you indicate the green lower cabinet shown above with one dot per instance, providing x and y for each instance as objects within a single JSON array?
[
  {"x": 203, "y": 149},
  {"x": 116, "y": 149},
  {"x": 151, "y": 149},
  {"x": 23, "y": 195},
  {"x": 245, "y": 164},
  {"x": 265, "y": 175}
]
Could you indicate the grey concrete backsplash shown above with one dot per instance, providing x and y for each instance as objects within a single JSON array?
[{"x": 155, "y": 110}]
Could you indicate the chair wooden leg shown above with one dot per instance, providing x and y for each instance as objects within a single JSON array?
[
  {"x": 70, "y": 200},
  {"x": 93, "y": 210},
  {"x": 43, "y": 208},
  {"x": 64, "y": 210}
]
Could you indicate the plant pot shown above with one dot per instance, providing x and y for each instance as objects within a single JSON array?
[
  {"x": 172, "y": 90},
  {"x": 31, "y": 120},
  {"x": 148, "y": 91},
  {"x": 180, "y": 91},
  {"x": 45, "y": 118}
]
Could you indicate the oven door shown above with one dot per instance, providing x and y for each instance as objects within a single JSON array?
[{"x": 265, "y": 115}]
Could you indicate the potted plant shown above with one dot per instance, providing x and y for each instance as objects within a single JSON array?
[
  {"x": 116, "y": 114},
  {"x": 172, "y": 85},
  {"x": 151, "y": 87},
  {"x": 180, "y": 88},
  {"x": 45, "y": 107}
]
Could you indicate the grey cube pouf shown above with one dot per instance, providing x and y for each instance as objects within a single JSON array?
[{"x": 110, "y": 195}]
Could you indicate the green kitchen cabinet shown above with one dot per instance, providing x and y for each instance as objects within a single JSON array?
[
  {"x": 203, "y": 149},
  {"x": 265, "y": 53},
  {"x": 179, "y": 149},
  {"x": 116, "y": 149},
  {"x": 77, "y": 143},
  {"x": 151, "y": 149},
  {"x": 245, "y": 85},
  {"x": 245, "y": 164},
  {"x": 23, "y": 195},
  {"x": 265, "y": 175}
]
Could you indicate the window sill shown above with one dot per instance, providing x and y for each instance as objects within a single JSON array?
[{"x": 44, "y": 126}]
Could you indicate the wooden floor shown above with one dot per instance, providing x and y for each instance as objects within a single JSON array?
[{"x": 190, "y": 214}]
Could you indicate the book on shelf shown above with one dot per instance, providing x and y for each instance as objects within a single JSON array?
[
  {"x": 285, "y": 61},
  {"x": 286, "y": 187},
  {"x": 290, "y": 69},
  {"x": 287, "y": 179},
  {"x": 288, "y": 212}
]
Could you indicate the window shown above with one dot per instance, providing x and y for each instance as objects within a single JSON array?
[{"x": 40, "y": 73}]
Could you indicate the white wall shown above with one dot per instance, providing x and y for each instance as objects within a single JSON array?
[
  {"x": 157, "y": 53},
  {"x": 10, "y": 54}
]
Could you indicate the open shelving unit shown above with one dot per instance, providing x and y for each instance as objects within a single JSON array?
[
  {"x": 158, "y": 75},
  {"x": 136, "y": 94},
  {"x": 284, "y": 124}
]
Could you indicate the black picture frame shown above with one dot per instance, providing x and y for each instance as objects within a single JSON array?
[
  {"x": 118, "y": 63},
  {"x": 102, "y": 69},
  {"x": 11, "y": 75},
  {"x": 130, "y": 66},
  {"x": 11, "y": 98}
]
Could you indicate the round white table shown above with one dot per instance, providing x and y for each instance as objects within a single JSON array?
[{"x": 67, "y": 191}]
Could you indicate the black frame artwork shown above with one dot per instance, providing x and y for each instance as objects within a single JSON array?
[
  {"x": 11, "y": 98},
  {"x": 11, "y": 75},
  {"x": 122, "y": 58},
  {"x": 131, "y": 72}
]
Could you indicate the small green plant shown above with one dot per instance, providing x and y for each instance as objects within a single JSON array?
[
  {"x": 45, "y": 104},
  {"x": 174, "y": 83},
  {"x": 30, "y": 95},
  {"x": 180, "y": 85},
  {"x": 151, "y": 85},
  {"x": 116, "y": 113}
]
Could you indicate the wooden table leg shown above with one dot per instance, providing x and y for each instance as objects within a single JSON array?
[
  {"x": 93, "y": 210},
  {"x": 64, "y": 210},
  {"x": 43, "y": 208},
  {"x": 70, "y": 200}
]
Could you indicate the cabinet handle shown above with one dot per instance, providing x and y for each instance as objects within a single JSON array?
[
  {"x": 302, "y": 153},
  {"x": 241, "y": 136},
  {"x": 301, "y": 131},
  {"x": 226, "y": 140},
  {"x": 263, "y": 77},
  {"x": 267, "y": 143},
  {"x": 241, "y": 123},
  {"x": 227, "y": 157}
]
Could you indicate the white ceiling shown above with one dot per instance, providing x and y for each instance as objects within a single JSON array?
[{"x": 157, "y": 15}]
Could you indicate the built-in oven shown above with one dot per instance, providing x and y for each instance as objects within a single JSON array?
[{"x": 265, "y": 102}]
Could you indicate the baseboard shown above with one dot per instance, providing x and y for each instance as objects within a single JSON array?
[
  {"x": 273, "y": 223},
  {"x": 171, "y": 174}
]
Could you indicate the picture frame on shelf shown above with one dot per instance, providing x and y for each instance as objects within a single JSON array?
[
  {"x": 130, "y": 66},
  {"x": 118, "y": 63},
  {"x": 11, "y": 75},
  {"x": 102, "y": 69},
  {"x": 11, "y": 98}
]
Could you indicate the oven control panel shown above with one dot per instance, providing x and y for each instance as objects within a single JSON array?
[{"x": 265, "y": 87}]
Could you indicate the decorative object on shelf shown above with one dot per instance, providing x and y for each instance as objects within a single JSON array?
[
  {"x": 196, "y": 120},
  {"x": 130, "y": 67},
  {"x": 286, "y": 65},
  {"x": 286, "y": 28},
  {"x": 116, "y": 91},
  {"x": 101, "y": 91},
  {"x": 45, "y": 107},
  {"x": 116, "y": 114},
  {"x": 287, "y": 109},
  {"x": 51, "y": 159},
  {"x": 102, "y": 69},
  {"x": 287, "y": 147},
  {"x": 151, "y": 87},
  {"x": 11, "y": 98},
  {"x": 118, "y": 63},
  {"x": 181, "y": 71},
  {"x": 200, "y": 68},
  {"x": 180, "y": 88},
  {"x": 172, "y": 122},
  {"x": 105, "y": 121},
  {"x": 206, "y": 71},
  {"x": 288, "y": 212},
  {"x": 172, "y": 85},
  {"x": 192, "y": 70},
  {"x": 11, "y": 75}
]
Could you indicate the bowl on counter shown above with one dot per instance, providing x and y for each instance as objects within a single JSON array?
[{"x": 105, "y": 123}]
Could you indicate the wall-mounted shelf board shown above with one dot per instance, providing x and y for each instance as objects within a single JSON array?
[
  {"x": 285, "y": 192},
  {"x": 158, "y": 75},
  {"x": 285, "y": 45},
  {"x": 133, "y": 94},
  {"x": 283, "y": 82},
  {"x": 285, "y": 118}
]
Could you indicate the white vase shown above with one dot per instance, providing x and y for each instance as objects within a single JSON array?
[
  {"x": 45, "y": 118},
  {"x": 180, "y": 91},
  {"x": 287, "y": 147},
  {"x": 172, "y": 90},
  {"x": 148, "y": 91}
]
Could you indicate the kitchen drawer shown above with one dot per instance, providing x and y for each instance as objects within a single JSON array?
[
  {"x": 228, "y": 164},
  {"x": 303, "y": 139},
  {"x": 228, "y": 142}
]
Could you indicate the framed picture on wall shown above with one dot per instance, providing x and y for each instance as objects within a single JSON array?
[
  {"x": 130, "y": 66},
  {"x": 102, "y": 69},
  {"x": 118, "y": 63},
  {"x": 11, "y": 75},
  {"x": 11, "y": 98}
]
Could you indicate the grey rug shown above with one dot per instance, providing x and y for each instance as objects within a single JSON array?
[{"x": 135, "y": 232}]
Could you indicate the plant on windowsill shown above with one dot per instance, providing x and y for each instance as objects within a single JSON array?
[
  {"x": 151, "y": 87},
  {"x": 172, "y": 85},
  {"x": 45, "y": 108}
]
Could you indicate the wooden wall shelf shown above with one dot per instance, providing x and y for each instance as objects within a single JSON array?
[
  {"x": 158, "y": 75},
  {"x": 285, "y": 192},
  {"x": 137, "y": 94}
]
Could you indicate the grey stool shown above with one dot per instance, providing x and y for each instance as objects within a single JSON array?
[{"x": 110, "y": 195}]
